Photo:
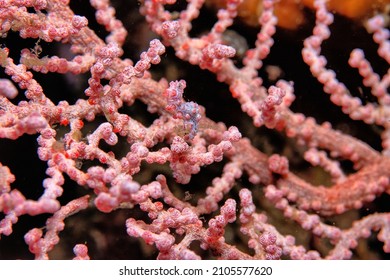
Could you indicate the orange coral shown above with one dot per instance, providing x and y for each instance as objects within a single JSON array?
[
  {"x": 354, "y": 9},
  {"x": 290, "y": 12}
]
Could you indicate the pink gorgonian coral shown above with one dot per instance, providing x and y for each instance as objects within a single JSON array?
[{"x": 167, "y": 129}]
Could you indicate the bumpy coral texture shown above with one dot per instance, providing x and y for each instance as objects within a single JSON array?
[{"x": 172, "y": 130}]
